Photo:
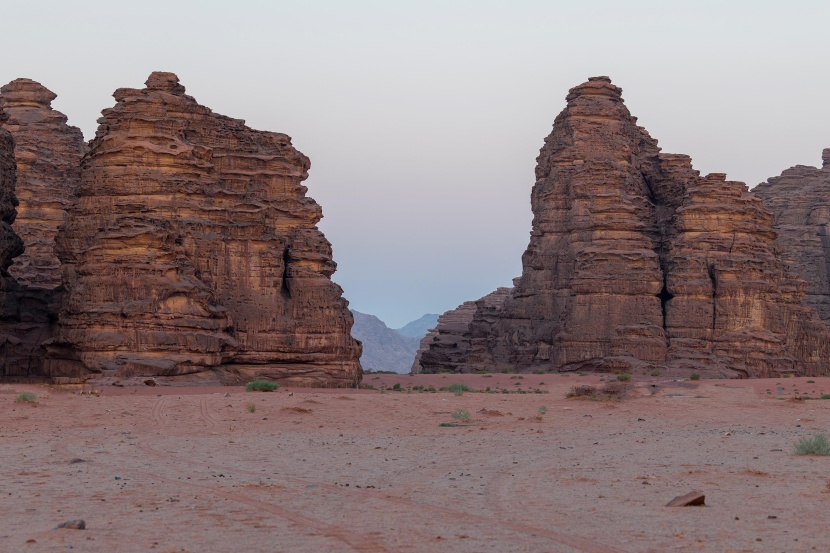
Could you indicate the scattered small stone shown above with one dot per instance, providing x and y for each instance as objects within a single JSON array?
[
  {"x": 77, "y": 460},
  {"x": 771, "y": 516},
  {"x": 77, "y": 524},
  {"x": 689, "y": 499},
  {"x": 150, "y": 382}
]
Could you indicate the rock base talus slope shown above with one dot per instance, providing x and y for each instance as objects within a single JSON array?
[
  {"x": 635, "y": 261},
  {"x": 48, "y": 154},
  {"x": 800, "y": 201},
  {"x": 192, "y": 247}
]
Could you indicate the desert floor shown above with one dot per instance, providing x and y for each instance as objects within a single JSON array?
[{"x": 174, "y": 469}]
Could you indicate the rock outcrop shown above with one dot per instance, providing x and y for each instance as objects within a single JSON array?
[
  {"x": 800, "y": 201},
  {"x": 10, "y": 244},
  {"x": 635, "y": 261},
  {"x": 447, "y": 347},
  {"x": 384, "y": 349},
  {"x": 48, "y": 154},
  {"x": 192, "y": 247}
]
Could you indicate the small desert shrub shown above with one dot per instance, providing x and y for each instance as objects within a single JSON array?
[
  {"x": 461, "y": 415},
  {"x": 507, "y": 369},
  {"x": 251, "y": 408},
  {"x": 694, "y": 376},
  {"x": 543, "y": 410},
  {"x": 397, "y": 387},
  {"x": 817, "y": 445},
  {"x": 583, "y": 390},
  {"x": 261, "y": 386},
  {"x": 655, "y": 373},
  {"x": 825, "y": 396},
  {"x": 458, "y": 389},
  {"x": 624, "y": 377},
  {"x": 25, "y": 397}
]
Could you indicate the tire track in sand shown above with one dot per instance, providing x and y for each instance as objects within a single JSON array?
[{"x": 586, "y": 545}]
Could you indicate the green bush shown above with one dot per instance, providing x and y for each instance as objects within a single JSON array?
[
  {"x": 261, "y": 386},
  {"x": 694, "y": 376},
  {"x": 397, "y": 387},
  {"x": 461, "y": 415},
  {"x": 655, "y": 373},
  {"x": 458, "y": 389},
  {"x": 251, "y": 408},
  {"x": 624, "y": 377},
  {"x": 25, "y": 397},
  {"x": 817, "y": 445}
]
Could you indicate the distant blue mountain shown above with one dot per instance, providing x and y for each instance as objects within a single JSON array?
[{"x": 419, "y": 328}]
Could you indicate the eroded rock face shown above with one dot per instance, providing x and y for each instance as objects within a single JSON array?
[
  {"x": 11, "y": 245},
  {"x": 192, "y": 247},
  {"x": 48, "y": 154},
  {"x": 800, "y": 201},
  {"x": 448, "y": 347},
  {"x": 637, "y": 262}
]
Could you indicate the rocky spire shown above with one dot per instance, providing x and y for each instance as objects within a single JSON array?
[
  {"x": 637, "y": 262},
  {"x": 48, "y": 154},
  {"x": 193, "y": 247},
  {"x": 800, "y": 201}
]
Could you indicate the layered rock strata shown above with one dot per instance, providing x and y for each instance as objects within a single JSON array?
[
  {"x": 800, "y": 201},
  {"x": 448, "y": 346},
  {"x": 192, "y": 247},
  {"x": 11, "y": 246},
  {"x": 635, "y": 261},
  {"x": 48, "y": 154}
]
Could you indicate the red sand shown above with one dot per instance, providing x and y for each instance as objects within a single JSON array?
[{"x": 175, "y": 469}]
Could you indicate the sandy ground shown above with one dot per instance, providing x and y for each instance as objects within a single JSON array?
[{"x": 175, "y": 469}]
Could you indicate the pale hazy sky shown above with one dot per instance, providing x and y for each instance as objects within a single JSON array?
[{"x": 423, "y": 119}]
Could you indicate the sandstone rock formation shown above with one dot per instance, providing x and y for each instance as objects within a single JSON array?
[
  {"x": 447, "y": 347},
  {"x": 384, "y": 349},
  {"x": 636, "y": 262},
  {"x": 192, "y": 247},
  {"x": 800, "y": 201},
  {"x": 48, "y": 154}
]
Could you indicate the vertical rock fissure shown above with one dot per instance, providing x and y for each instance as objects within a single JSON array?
[
  {"x": 662, "y": 218},
  {"x": 286, "y": 291},
  {"x": 714, "y": 279}
]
